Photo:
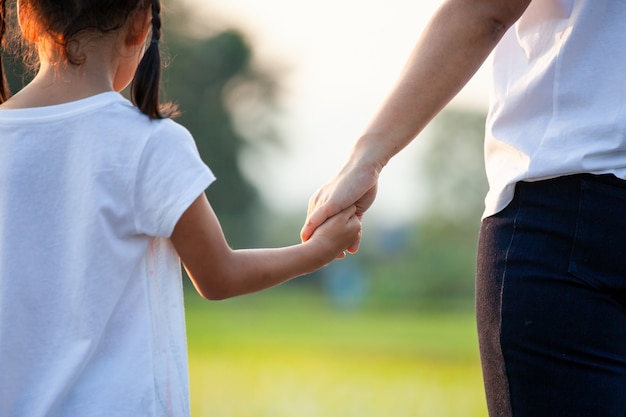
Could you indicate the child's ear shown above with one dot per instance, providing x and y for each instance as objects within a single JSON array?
[{"x": 140, "y": 23}]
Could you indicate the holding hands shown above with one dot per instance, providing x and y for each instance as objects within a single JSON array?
[
  {"x": 354, "y": 185},
  {"x": 336, "y": 233}
]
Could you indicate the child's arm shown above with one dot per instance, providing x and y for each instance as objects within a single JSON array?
[{"x": 219, "y": 272}]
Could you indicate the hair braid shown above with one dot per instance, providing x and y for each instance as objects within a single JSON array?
[
  {"x": 4, "y": 86},
  {"x": 146, "y": 84}
]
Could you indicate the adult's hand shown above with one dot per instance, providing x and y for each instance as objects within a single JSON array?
[{"x": 355, "y": 184}]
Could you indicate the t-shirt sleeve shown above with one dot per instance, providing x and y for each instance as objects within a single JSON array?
[{"x": 170, "y": 176}]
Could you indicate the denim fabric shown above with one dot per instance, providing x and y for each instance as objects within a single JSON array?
[{"x": 551, "y": 300}]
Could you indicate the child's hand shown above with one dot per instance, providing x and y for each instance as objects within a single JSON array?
[{"x": 338, "y": 232}]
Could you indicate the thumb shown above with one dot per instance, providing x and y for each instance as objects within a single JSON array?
[{"x": 312, "y": 222}]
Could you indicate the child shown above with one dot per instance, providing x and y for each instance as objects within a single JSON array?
[{"x": 98, "y": 200}]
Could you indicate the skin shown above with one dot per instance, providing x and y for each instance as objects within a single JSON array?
[
  {"x": 216, "y": 270},
  {"x": 457, "y": 40}
]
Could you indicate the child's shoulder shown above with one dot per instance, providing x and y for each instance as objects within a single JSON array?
[
  {"x": 127, "y": 113},
  {"x": 169, "y": 129}
]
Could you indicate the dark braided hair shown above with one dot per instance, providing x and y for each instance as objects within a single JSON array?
[
  {"x": 63, "y": 21},
  {"x": 147, "y": 80},
  {"x": 4, "y": 86}
]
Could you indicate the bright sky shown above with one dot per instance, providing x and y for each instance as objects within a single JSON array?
[{"x": 341, "y": 57}]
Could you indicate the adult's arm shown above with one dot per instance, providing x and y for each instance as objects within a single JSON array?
[{"x": 457, "y": 40}]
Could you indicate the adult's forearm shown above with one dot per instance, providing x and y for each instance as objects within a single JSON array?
[{"x": 455, "y": 43}]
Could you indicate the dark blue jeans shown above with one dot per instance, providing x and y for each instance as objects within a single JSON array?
[{"x": 551, "y": 300}]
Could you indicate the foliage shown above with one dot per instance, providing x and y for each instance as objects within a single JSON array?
[
  {"x": 211, "y": 76},
  {"x": 435, "y": 269},
  {"x": 454, "y": 167},
  {"x": 16, "y": 73}
]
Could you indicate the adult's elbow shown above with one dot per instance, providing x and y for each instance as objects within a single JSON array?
[{"x": 500, "y": 16}]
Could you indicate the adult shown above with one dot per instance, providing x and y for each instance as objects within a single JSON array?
[{"x": 551, "y": 276}]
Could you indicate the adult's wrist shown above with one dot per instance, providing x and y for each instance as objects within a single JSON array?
[{"x": 369, "y": 153}]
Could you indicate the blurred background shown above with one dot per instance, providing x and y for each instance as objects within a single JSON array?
[{"x": 275, "y": 92}]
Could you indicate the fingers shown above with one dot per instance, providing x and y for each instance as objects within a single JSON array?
[
  {"x": 321, "y": 207},
  {"x": 353, "y": 217},
  {"x": 347, "y": 216},
  {"x": 313, "y": 221},
  {"x": 354, "y": 247},
  {"x": 349, "y": 211},
  {"x": 315, "y": 218}
]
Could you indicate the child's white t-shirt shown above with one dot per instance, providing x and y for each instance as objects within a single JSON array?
[
  {"x": 91, "y": 304},
  {"x": 558, "y": 101}
]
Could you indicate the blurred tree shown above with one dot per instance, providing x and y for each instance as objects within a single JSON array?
[
  {"x": 17, "y": 75},
  {"x": 227, "y": 104},
  {"x": 456, "y": 185},
  {"x": 454, "y": 167}
]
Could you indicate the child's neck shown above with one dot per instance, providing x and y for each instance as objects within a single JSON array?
[
  {"x": 48, "y": 89},
  {"x": 64, "y": 83}
]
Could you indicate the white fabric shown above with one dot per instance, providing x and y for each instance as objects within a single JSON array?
[
  {"x": 91, "y": 307},
  {"x": 559, "y": 96}
]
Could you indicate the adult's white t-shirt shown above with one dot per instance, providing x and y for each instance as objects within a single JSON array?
[
  {"x": 558, "y": 104},
  {"x": 91, "y": 303}
]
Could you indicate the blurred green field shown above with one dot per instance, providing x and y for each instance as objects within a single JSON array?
[{"x": 285, "y": 354}]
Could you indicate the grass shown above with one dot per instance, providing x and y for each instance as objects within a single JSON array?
[{"x": 285, "y": 354}]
